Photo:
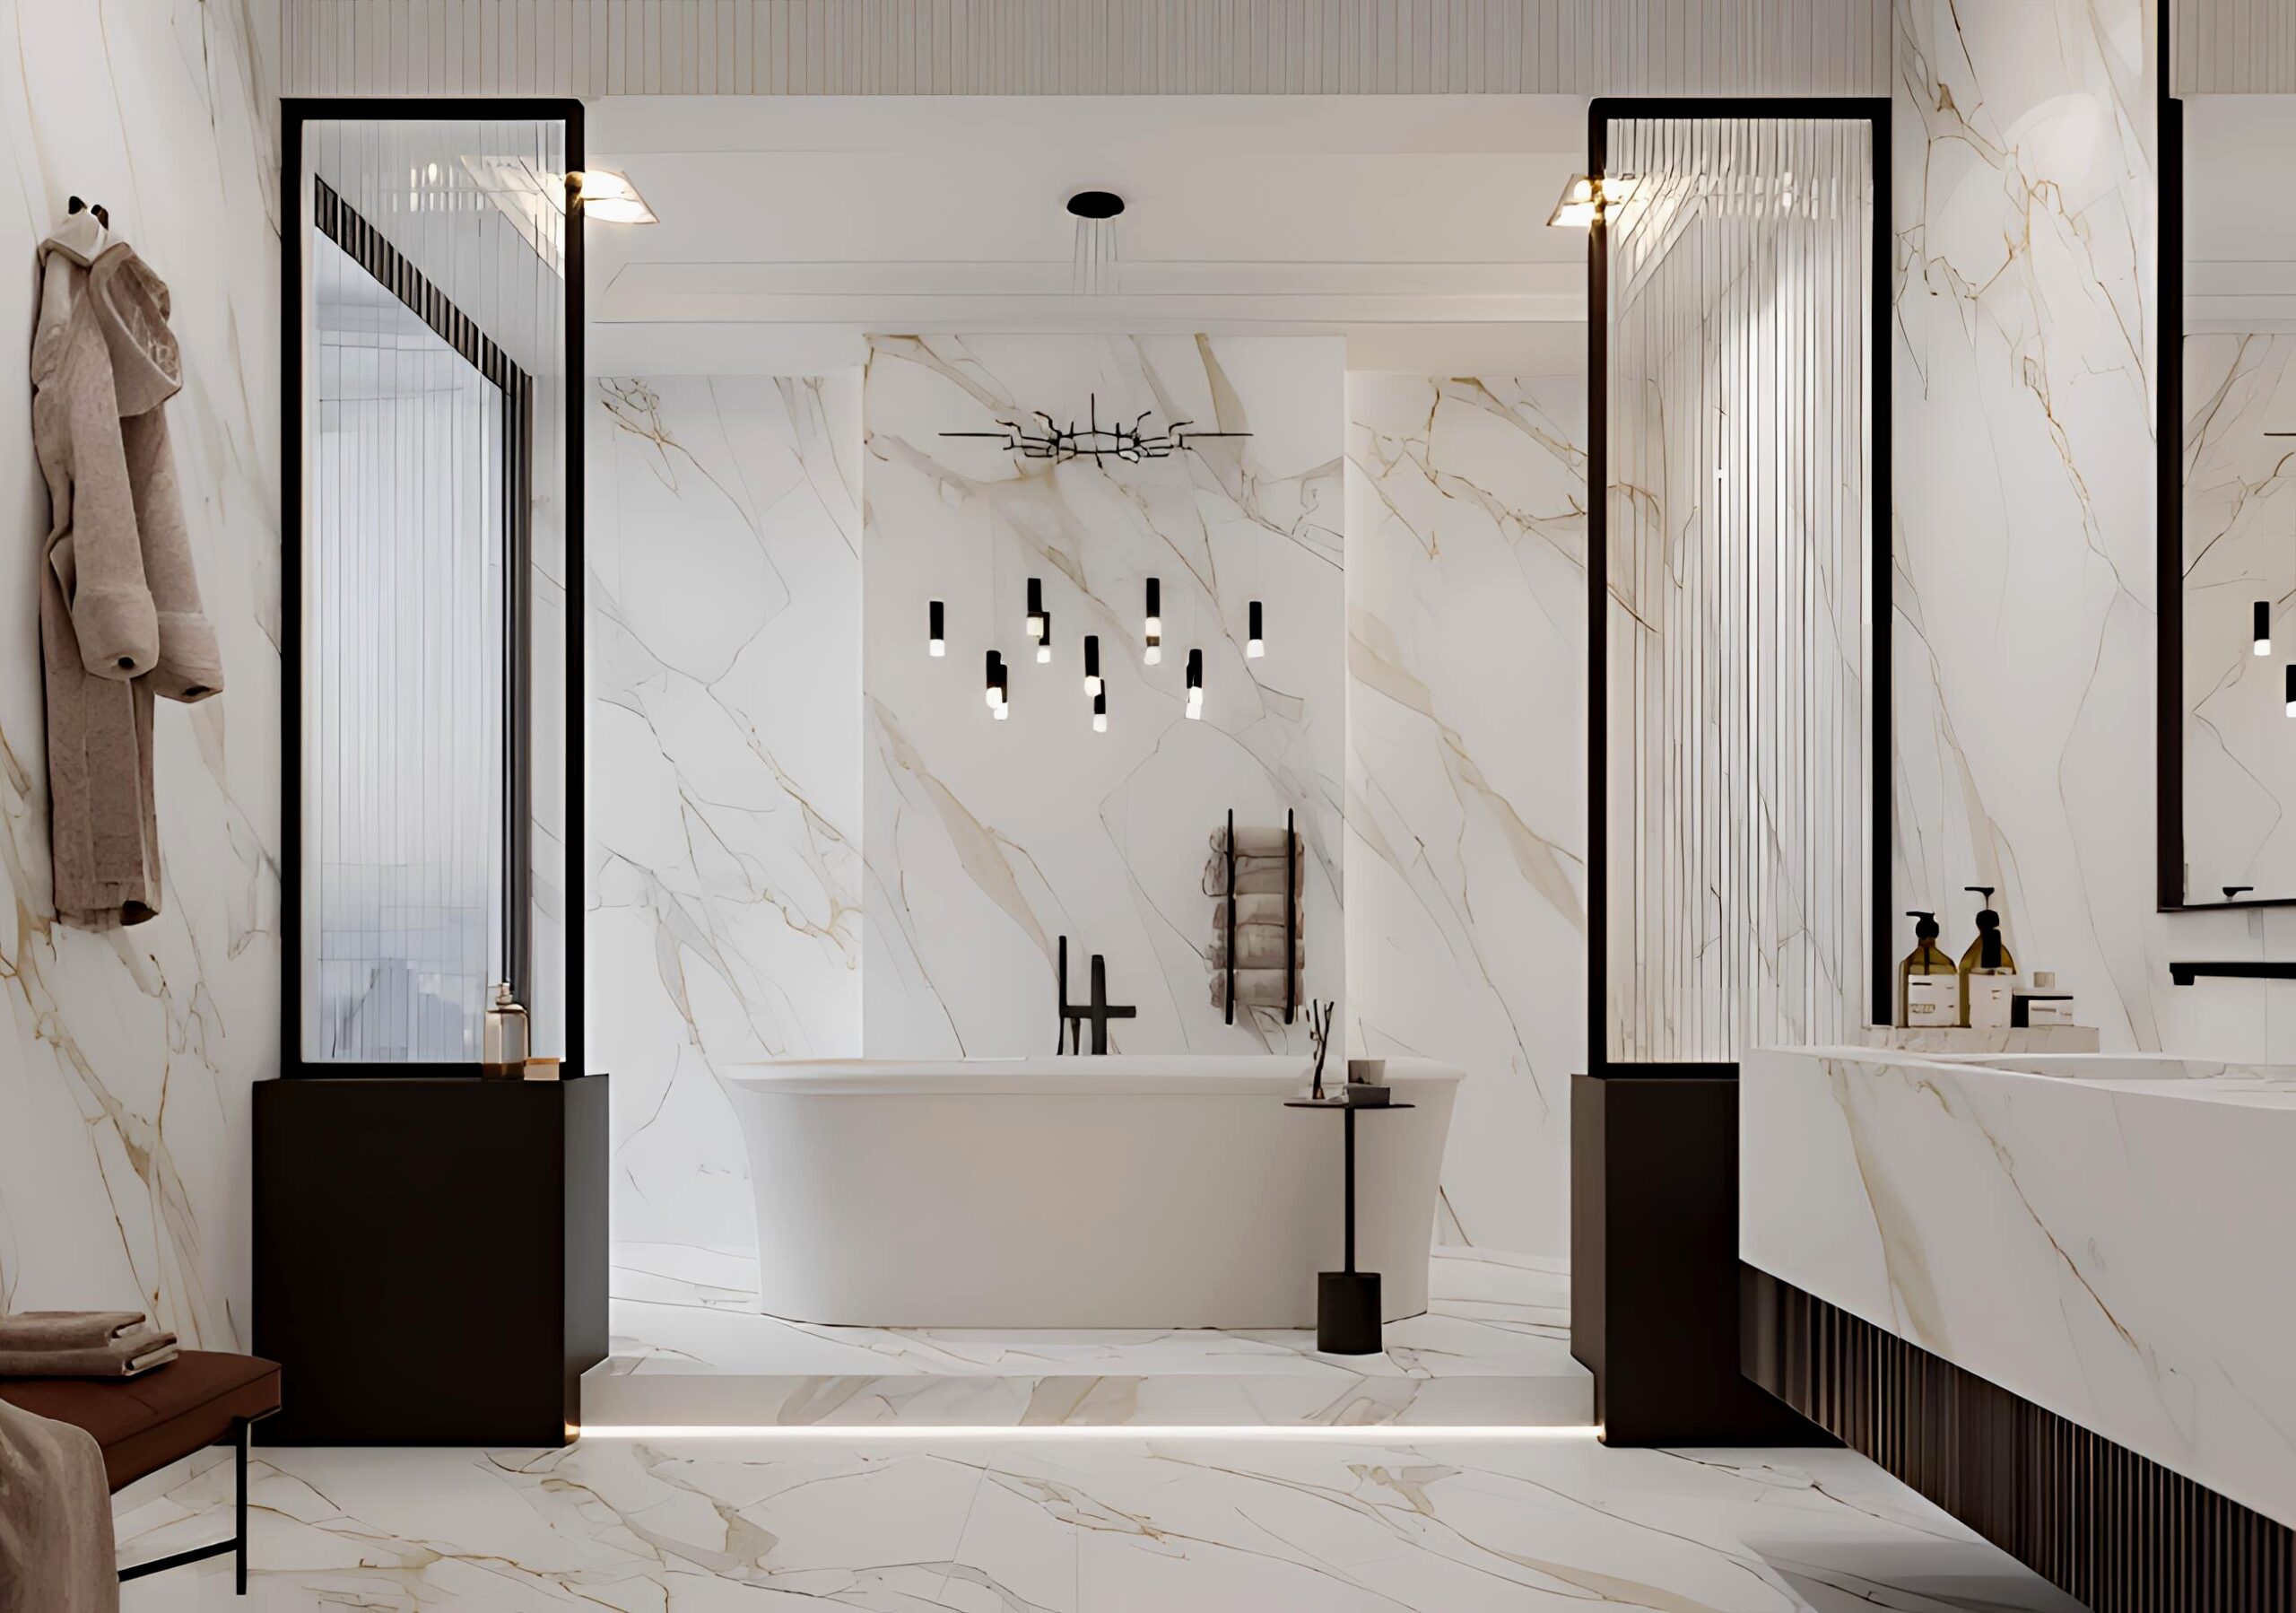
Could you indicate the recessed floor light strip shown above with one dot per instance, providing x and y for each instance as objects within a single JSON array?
[{"x": 1343, "y": 1432}]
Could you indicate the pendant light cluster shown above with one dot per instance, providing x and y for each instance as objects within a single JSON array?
[
  {"x": 2261, "y": 630},
  {"x": 997, "y": 679}
]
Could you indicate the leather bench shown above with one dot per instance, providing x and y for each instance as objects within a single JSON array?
[{"x": 201, "y": 1397}]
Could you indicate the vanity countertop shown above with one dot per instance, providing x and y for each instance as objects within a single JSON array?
[{"x": 2112, "y": 1237}]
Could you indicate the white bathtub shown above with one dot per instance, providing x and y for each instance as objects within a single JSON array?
[{"x": 1129, "y": 1191}]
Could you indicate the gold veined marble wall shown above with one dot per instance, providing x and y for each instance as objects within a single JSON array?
[
  {"x": 1467, "y": 781},
  {"x": 985, "y": 841},
  {"x": 126, "y": 1057}
]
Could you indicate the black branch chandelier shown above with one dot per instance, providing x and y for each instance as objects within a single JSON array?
[{"x": 1126, "y": 444}]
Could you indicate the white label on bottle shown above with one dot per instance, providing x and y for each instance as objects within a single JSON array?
[
  {"x": 1989, "y": 1001},
  {"x": 1932, "y": 1001}
]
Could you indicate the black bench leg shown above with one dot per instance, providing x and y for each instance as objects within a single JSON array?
[
  {"x": 237, "y": 1545},
  {"x": 240, "y": 1538}
]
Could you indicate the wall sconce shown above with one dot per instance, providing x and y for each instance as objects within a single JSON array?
[
  {"x": 1583, "y": 196},
  {"x": 610, "y": 199},
  {"x": 1153, "y": 628},
  {"x": 936, "y": 642},
  {"x": 1037, "y": 628},
  {"x": 1044, "y": 644},
  {"x": 1100, "y": 713},
  {"x": 1255, "y": 641},
  {"x": 996, "y": 692},
  {"x": 2264, "y": 627},
  {"x": 1196, "y": 686},
  {"x": 1094, "y": 686}
]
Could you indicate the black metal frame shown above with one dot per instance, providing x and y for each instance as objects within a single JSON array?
[
  {"x": 1601, "y": 112},
  {"x": 237, "y": 1543},
  {"x": 2169, "y": 562},
  {"x": 295, "y": 112},
  {"x": 1128, "y": 444}
]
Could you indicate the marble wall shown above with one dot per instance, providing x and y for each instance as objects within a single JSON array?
[
  {"x": 2027, "y": 328},
  {"x": 988, "y": 840},
  {"x": 1466, "y": 788},
  {"x": 126, "y": 1057},
  {"x": 725, "y": 738}
]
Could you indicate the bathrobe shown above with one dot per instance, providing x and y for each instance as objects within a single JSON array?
[{"x": 120, "y": 611}]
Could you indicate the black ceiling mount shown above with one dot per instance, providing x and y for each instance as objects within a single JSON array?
[{"x": 1096, "y": 204}]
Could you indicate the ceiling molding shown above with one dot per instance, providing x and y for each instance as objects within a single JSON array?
[{"x": 603, "y": 47}]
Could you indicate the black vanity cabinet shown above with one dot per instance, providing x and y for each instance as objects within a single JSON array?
[{"x": 429, "y": 1257}]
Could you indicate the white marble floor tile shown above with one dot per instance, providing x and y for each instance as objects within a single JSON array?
[
  {"x": 689, "y": 1349},
  {"x": 1113, "y": 1524}
]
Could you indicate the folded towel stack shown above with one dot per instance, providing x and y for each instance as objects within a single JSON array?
[
  {"x": 82, "y": 1344},
  {"x": 1268, "y": 929},
  {"x": 1256, "y": 989}
]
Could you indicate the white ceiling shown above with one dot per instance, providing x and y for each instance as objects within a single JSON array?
[
  {"x": 1413, "y": 226},
  {"x": 2240, "y": 213}
]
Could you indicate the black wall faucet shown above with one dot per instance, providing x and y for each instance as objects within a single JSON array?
[{"x": 1099, "y": 1010}]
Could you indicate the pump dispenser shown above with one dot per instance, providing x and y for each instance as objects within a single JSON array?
[
  {"x": 1929, "y": 988},
  {"x": 1987, "y": 970}
]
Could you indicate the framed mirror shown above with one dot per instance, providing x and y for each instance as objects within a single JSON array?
[{"x": 2227, "y": 579}]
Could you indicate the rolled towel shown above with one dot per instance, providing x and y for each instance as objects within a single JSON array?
[
  {"x": 1254, "y": 876},
  {"x": 1258, "y": 947},
  {"x": 1254, "y": 988},
  {"x": 67, "y": 1329},
  {"x": 1256, "y": 909},
  {"x": 1254, "y": 842},
  {"x": 124, "y": 1357}
]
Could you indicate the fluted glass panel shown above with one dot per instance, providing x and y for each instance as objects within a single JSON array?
[
  {"x": 432, "y": 525},
  {"x": 1739, "y": 341}
]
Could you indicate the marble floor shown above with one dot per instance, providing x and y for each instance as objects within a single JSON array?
[
  {"x": 1108, "y": 1521},
  {"x": 689, "y": 1349}
]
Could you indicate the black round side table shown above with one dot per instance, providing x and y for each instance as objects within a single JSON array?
[{"x": 1347, "y": 1303}]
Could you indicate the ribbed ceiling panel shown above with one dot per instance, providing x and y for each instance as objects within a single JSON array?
[{"x": 595, "y": 48}]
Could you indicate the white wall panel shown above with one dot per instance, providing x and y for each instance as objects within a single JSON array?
[
  {"x": 596, "y": 47},
  {"x": 2234, "y": 47}
]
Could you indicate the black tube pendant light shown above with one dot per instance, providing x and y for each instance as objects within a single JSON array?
[
  {"x": 2264, "y": 627},
  {"x": 1037, "y": 627},
  {"x": 1196, "y": 686},
  {"x": 1100, "y": 713},
  {"x": 1093, "y": 684},
  {"x": 1044, "y": 638},
  {"x": 998, "y": 700},
  {"x": 936, "y": 640},
  {"x": 2289, "y": 691},
  {"x": 1255, "y": 641},
  {"x": 1151, "y": 627}
]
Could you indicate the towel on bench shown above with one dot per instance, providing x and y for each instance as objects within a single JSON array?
[
  {"x": 56, "y": 1540},
  {"x": 67, "y": 1329}
]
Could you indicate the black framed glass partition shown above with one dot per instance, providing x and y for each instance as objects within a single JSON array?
[
  {"x": 1739, "y": 565},
  {"x": 431, "y": 347}
]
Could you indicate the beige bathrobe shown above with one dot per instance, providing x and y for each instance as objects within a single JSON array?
[
  {"x": 55, "y": 1538},
  {"x": 120, "y": 618}
]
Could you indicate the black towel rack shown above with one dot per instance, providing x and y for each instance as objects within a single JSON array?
[{"x": 1290, "y": 916}]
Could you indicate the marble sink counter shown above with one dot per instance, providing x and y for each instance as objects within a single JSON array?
[{"x": 2113, "y": 1238}]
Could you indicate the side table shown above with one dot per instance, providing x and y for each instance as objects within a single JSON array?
[{"x": 1347, "y": 1301}]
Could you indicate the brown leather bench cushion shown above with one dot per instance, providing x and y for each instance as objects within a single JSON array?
[{"x": 145, "y": 1423}]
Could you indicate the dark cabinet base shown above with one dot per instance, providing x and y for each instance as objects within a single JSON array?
[
  {"x": 1654, "y": 1259},
  {"x": 429, "y": 1257}
]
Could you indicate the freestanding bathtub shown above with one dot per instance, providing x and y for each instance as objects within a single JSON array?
[{"x": 1123, "y": 1191}]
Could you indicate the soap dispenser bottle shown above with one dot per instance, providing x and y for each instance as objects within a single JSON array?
[
  {"x": 1988, "y": 973},
  {"x": 1929, "y": 988}
]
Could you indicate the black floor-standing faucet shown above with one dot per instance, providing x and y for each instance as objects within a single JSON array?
[{"x": 1099, "y": 1010}]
